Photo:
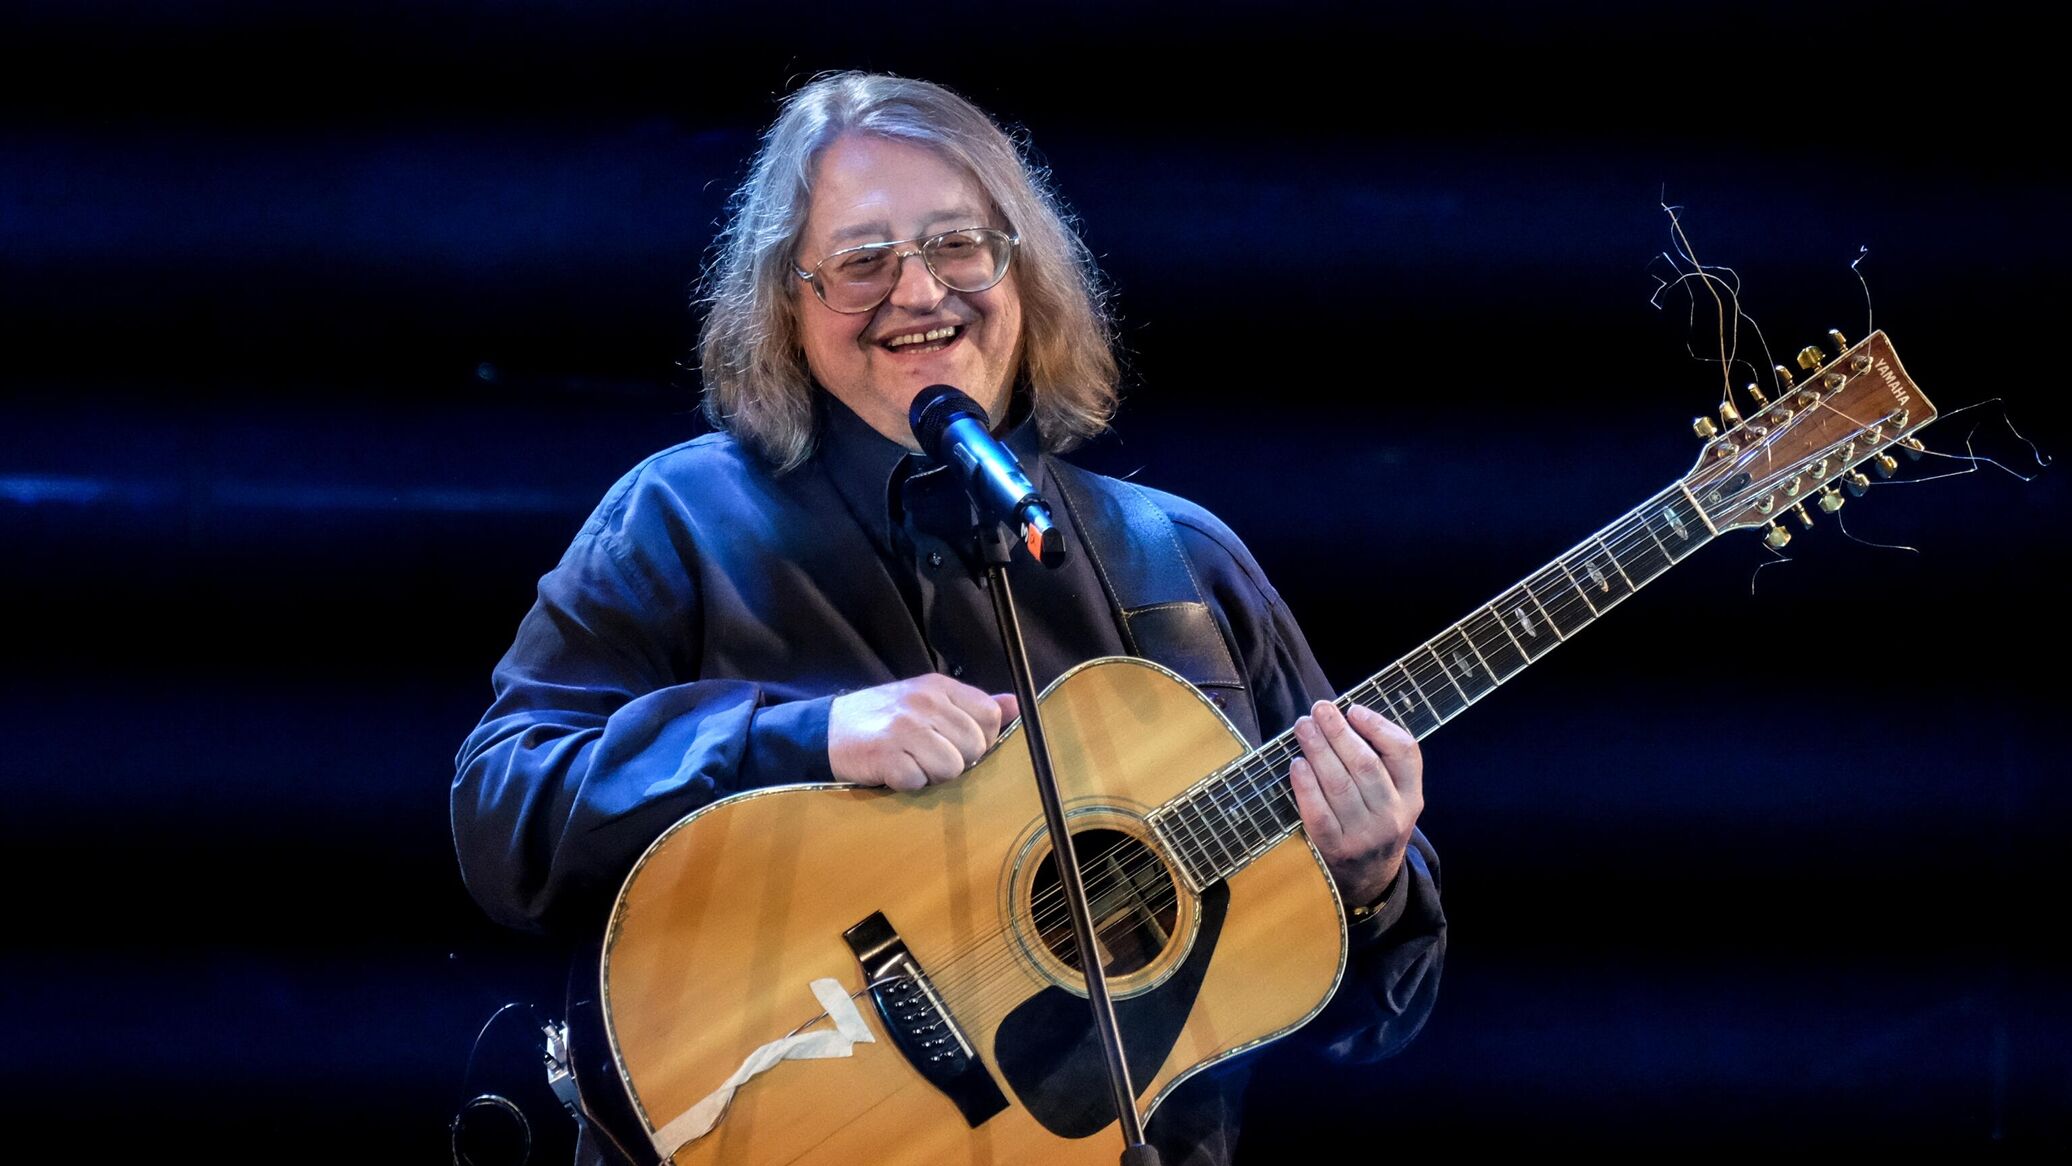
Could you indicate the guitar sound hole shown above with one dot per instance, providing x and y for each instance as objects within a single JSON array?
[{"x": 1131, "y": 897}]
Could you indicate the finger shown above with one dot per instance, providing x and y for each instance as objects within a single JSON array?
[
  {"x": 1341, "y": 791},
  {"x": 1399, "y": 751},
  {"x": 977, "y": 705},
  {"x": 1009, "y": 706},
  {"x": 939, "y": 757},
  {"x": 901, "y": 772},
  {"x": 1317, "y": 817},
  {"x": 1372, "y": 781}
]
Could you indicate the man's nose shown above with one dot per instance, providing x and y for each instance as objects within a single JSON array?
[{"x": 917, "y": 288}]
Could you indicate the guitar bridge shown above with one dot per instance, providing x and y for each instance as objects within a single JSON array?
[{"x": 921, "y": 1026}]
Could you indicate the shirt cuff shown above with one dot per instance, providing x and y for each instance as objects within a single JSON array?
[
  {"x": 1390, "y": 908},
  {"x": 787, "y": 744}
]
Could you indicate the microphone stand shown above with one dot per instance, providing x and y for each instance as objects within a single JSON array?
[{"x": 994, "y": 547}]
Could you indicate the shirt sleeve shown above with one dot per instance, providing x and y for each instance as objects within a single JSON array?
[
  {"x": 599, "y": 739},
  {"x": 1392, "y": 968}
]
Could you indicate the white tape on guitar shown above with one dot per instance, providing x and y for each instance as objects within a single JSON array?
[{"x": 849, "y": 1031}]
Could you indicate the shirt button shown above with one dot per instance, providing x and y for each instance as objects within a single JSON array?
[
  {"x": 956, "y": 669},
  {"x": 935, "y": 558}
]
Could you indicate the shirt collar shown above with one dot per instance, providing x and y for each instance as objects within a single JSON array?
[{"x": 868, "y": 467}]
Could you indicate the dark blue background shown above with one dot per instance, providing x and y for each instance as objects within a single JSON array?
[{"x": 327, "y": 323}]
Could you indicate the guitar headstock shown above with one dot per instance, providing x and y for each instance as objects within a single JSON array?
[{"x": 1824, "y": 430}]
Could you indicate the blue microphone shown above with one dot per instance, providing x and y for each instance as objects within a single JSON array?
[{"x": 952, "y": 429}]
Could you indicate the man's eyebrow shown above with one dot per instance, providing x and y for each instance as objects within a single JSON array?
[{"x": 879, "y": 232}]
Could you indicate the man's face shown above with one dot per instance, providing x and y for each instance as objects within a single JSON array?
[{"x": 871, "y": 190}]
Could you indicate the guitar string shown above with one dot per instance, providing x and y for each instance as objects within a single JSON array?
[{"x": 1047, "y": 908}]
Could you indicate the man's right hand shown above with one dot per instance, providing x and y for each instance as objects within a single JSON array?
[{"x": 910, "y": 734}]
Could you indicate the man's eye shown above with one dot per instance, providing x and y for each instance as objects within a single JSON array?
[
  {"x": 859, "y": 265},
  {"x": 955, "y": 246}
]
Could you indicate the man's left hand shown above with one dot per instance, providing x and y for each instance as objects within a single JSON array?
[{"x": 1359, "y": 786}]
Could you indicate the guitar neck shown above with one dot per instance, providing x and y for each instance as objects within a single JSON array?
[{"x": 1231, "y": 817}]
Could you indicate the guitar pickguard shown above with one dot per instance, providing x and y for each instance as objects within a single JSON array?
[{"x": 1050, "y": 1053}]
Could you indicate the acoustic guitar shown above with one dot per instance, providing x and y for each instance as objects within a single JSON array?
[{"x": 834, "y": 974}]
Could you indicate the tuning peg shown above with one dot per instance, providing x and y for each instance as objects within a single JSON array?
[
  {"x": 1856, "y": 483},
  {"x": 1805, "y": 519},
  {"x": 1913, "y": 447},
  {"x": 1729, "y": 414},
  {"x": 1885, "y": 464},
  {"x": 1831, "y": 500},
  {"x": 1755, "y": 393},
  {"x": 1841, "y": 341},
  {"x": 1776, "y": 537},
  {"x": 1784, "y": 376},
  {"x": 1704, "y": 428},
  {"x": 1810, "y": 357}
]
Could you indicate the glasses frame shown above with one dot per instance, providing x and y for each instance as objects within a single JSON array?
[{"x": 919, "y": 246}]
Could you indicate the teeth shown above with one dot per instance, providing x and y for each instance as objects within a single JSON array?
[{"x": 932, "y": 334}]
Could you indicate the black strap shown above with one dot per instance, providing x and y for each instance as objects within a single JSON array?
[{"x": 1164, "y": 615}]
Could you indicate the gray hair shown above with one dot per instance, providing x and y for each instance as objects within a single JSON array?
[{"x": 757, "y": 386}]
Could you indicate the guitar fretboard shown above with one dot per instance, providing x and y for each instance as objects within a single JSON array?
[{"x": 1232, "y": 816}]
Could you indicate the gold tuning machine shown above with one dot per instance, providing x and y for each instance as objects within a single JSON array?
[
  {"x": 1831, "y": 500},
  {"x": 1913, "y": 447},
  {"x": 1855, "y": 482},
  {"x": 1810, "y": 357},
  {"x": 1885, "y": 464},
  {"x": 1805, "y": 519},
  {"x": 1704, "y": 428},
  {"x": 1784, "y": 376},
  {"x": 1841, "y": 341},
  {"x": 1755, "y": 394},
  {"x": 1729, "y": 414},
  {"x": 1776, "y": 537}
]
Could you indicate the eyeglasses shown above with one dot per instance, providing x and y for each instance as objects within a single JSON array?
[{"x": 857, "y": 279}]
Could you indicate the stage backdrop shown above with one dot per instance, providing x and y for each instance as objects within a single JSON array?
[{"x": 328, "y": 323}]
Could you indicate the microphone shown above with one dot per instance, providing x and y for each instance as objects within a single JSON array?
[{"x": 952, "y": 429}]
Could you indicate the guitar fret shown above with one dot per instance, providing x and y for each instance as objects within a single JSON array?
[
  {"x": 1648, "y": 525},
  {"x": 1237, "y": 823},
  {"x": 1542, "y": 609},
  {"x": 1610, "y": 586},
  {"x": 1250, "y": 795},
  {"x": 1580, "y": 593},
  {"x": 1609, "y": 554},
  {"x": 1466, "y": 667},
  {"x": 1281, "y": 800},
  {"x": 1163, "y": 823},
  {"x": 1444, "y": 703},
  {"x": 1499, "y": 654},
  {"x": 1564, "y": 618},
  {"x": 1642, "y": 559},
  {"x": 1520, "y": 615},
  {"x": 1205, "y": 861},
  {"x": 1674, "y": 521},
  {"x": 1209, "y": 831},
  {"x": 1432, "y": 708},
  {"x": 1406, "y": 703}
]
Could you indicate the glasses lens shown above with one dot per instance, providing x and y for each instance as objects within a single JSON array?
[
  {"x": 856, "y": 281},
  {"x": 969, "y": 261}
]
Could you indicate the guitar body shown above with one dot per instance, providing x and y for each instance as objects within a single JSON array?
[{"x": 731, "y": 915}]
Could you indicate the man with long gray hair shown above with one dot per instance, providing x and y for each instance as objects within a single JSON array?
[{"x": 794, "y": 599}]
